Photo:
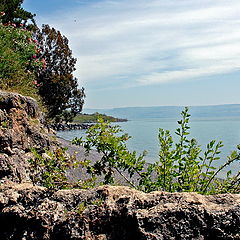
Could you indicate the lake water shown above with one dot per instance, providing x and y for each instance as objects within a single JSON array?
[{"x": 144, "y": 134}]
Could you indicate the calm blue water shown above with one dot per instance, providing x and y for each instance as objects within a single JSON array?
[{"x": 144, "y": 134}]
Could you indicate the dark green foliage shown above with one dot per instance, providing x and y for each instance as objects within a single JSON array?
[
  {"x": 53, "y": 77},
  {"x": 14, "y": 13},
  {"x": 58, "y": 87}
]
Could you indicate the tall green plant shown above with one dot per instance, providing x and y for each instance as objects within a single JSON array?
[{"x": 181, "y": 167}]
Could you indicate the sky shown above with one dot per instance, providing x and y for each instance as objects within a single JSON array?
[{"x": 150, "y": 52}]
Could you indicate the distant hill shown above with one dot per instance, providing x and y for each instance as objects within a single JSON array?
[
  {"x": 92, "y": 118},
  {"x": 133, "y": 113}
]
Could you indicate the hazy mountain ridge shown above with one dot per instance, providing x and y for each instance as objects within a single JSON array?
[{"x": 131, "y": 113}]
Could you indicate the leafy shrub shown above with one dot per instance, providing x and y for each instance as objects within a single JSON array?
[
  {"x": 17, "y": 61},
  {"x": 180, "y": 167},
  {"x": 107, "y": 140},
  {"x": 48, "y": 169}
]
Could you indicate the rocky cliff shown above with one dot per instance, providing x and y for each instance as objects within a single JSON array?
[
  {"x": 21, "y": 129},
  {"x": 104, "y": 213}
]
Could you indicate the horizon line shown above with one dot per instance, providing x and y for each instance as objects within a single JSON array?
[{"x": 210, "y": 105}]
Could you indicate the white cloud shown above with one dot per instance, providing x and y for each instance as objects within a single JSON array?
[
  {"x": 192, "y": 73},
  {"x": 153, "y": 41},
  {"x": 217, "y": 52}
]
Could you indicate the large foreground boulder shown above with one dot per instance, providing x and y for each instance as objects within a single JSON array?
[{"x": 115, "y": 213}]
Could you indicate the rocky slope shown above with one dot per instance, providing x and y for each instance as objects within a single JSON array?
[
  {"x": 21, "y": 129},
  {"x": 29, "y": 212}
]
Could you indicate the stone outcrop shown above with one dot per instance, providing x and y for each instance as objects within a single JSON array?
[
  {"x": 113, "y": 213},
  {"x": 21, "y": 128}
]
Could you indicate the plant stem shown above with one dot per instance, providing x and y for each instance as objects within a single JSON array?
[
  {"x": 125, "y": 178},
  {"x": 214, "y": 175}
]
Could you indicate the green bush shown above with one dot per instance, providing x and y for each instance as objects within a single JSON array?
[
  {"x": 17, "y": 63},
  {"x": 111, "y": 145},
  {"x": 182, "y": 166},
  {"x": 49, "y": 169},
  {"x": 12, "y": 11}
]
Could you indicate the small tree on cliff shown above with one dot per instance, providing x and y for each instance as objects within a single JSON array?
[
  {"x": 14, "y": 13},
  {"x": 57, "y": 85}
]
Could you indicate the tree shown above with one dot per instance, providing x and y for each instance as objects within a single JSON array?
[
  {"x": 57, "y": 85},
  {"x": 13, "y": 13}
]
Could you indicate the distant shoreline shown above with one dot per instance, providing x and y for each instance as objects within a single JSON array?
[
  {"x": 84, "y": 121},
  {"x": 93, "y": 118}
]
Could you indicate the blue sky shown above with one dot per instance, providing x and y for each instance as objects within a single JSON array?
[{"x": 150, "y": 52}]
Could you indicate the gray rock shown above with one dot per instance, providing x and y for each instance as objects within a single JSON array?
[
  {"x": 113, "y": 213},
  {"x": 20, "y": 130}
]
